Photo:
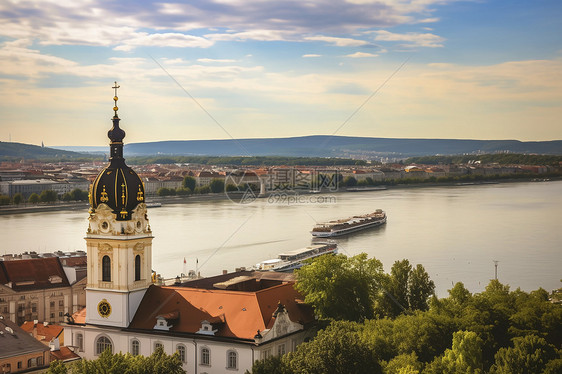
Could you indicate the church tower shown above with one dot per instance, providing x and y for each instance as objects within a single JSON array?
[{"x": 119, "y": 239}]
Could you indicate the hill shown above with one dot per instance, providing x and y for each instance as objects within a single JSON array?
[
  {"x": 14, "y": 151},
  {"x": 340, "y": 146}
]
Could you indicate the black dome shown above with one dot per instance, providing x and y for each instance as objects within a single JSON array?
[
  {"x": 120, "y": 188},
  {"x": 117, "y": 186}
]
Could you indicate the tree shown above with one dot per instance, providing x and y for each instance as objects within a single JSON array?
[
  {"x": 157, "y": 363},
  {"x": 420, "y": 288},
  {"x": 33, "y": 198},
  {"x": 406, "y": 288},
  {"x": 341, "y": 288},
  {"x": 163, "y": 191},
  {"x": 427, "y": 334},
  {"x": 78, "y": 195},
  {"x": 270, "y": 365},
  {"x": 189, "y": 182},
  {"x": 337, "y": 350},
  {"x": 48, "y": 196},
  {"x": 18, "y": 198},
  {"x": 217, "y": 185},
  {"x": 182, "y": 191},
  {"x": 4, "y": 200},
  {"x": 350, "y": 181},
  {"x": 465, "y": 356},
  {"x": 202, "y": 190},
  {"x": 529, "y": 354},
  {"x": 403, "y": 364}
]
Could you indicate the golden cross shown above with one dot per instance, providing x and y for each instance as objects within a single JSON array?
[{"x": 116, "y": 87}]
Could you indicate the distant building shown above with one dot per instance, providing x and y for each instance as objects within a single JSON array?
[
  {"x": 39, "y": 289},
  {"x": 29, "y": 186},
  {"x": 19, "y": 351},
  {"x": 204, "y": 177},
  {"x": 44, "y": 332}
]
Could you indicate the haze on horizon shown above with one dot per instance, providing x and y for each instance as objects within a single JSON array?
[{"x": 476, "y": 69}]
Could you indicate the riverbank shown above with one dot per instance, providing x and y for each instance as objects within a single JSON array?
[{"x": 166, "y": 200}]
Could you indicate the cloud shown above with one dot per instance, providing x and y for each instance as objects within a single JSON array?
[
  {"x": 129, "y": 24},
  {"x": 361, "y": 55},
  {"x": 262, "y": 35},
  {"x": 176, "y": 40},
  {"x": 311, "y": 55},
  {"x": 412, "y": 38},
  {"x": 212, "y": 60},
  {"x": 339, "y": 42}
]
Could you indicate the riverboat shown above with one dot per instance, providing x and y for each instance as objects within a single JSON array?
[
  {"x": 289, "y": 261},
  {"x": 349, "y": 225}
]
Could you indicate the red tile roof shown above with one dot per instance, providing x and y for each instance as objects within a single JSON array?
[
  {"x": 243, "y": 313},
  {"x": 74, "y": 261},
  {"x": 33, "y": 274},
  {"x": 80, "y": 316},
  {"x": 64, "y": 354},
  {"x": 44, "y": 333}
]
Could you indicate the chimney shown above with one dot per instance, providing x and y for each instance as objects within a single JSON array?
[
  {"x": 224, "y": 272},
  {"x": 54, "y": 345},
  {"x": 45, "y": 323}
]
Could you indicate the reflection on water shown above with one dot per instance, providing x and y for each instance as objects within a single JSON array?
[{"x": 455, "y": 232}]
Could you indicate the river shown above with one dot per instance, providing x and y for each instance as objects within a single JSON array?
[{"x": 455, "y": 232}]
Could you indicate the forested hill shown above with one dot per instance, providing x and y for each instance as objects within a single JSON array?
[
  {"x": 340, "y": 146},
  {"x": 305, "y": 146},
  {"x": 9, "y": 150}
]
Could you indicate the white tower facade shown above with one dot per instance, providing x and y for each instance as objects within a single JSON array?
[{"x": 119, "y": 239}]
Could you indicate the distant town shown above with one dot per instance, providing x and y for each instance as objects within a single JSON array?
[{"x": 35, "y": 182}]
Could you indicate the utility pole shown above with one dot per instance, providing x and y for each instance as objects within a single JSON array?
[{"x": 496, "y": 269}]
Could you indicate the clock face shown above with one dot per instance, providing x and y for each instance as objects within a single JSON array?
[{"x": 104, "y": 308}]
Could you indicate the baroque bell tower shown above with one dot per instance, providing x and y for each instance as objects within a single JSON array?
[{"x": 119, "y": 239}]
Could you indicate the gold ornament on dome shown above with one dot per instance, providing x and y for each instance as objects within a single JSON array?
[
  {"x": 140, "y": 196},
  {"x": 104, "y": 198},
  {"x": 123, "y": 193}
]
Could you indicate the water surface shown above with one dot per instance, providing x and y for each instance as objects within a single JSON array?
[{"x": 455, "y": 232}]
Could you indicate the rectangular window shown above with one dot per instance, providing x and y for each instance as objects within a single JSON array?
[
  {"x": 52, "y": 304},
  {"x": 232, "y": 360},
  {"x": 205, "y": 356},
  {"x": 181, "y": 350},
  {"x": 61, "y": 314},
  {"x": 52, "y": 315},
  {"x": 281, "y": 350},
  {"x": 80, "y": 342},
  {"x": 135, "y": 347},
  {"x": 20, "y": 364},
  {"x": 61, "y": 302},
  {"x": 34, "y": 308}
]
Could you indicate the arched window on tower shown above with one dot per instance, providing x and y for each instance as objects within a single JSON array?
[
  {"x": 106, "y": 269},
  {"x": 137, "y": 267}
]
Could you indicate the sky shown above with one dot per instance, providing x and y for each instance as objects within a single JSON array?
[{"x": 220, "y": 69}]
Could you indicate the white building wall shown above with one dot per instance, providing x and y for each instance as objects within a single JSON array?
[{"x": 121, "y": 340}]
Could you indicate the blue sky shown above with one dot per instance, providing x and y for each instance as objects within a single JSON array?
[{"x": 440, "y": 69}]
